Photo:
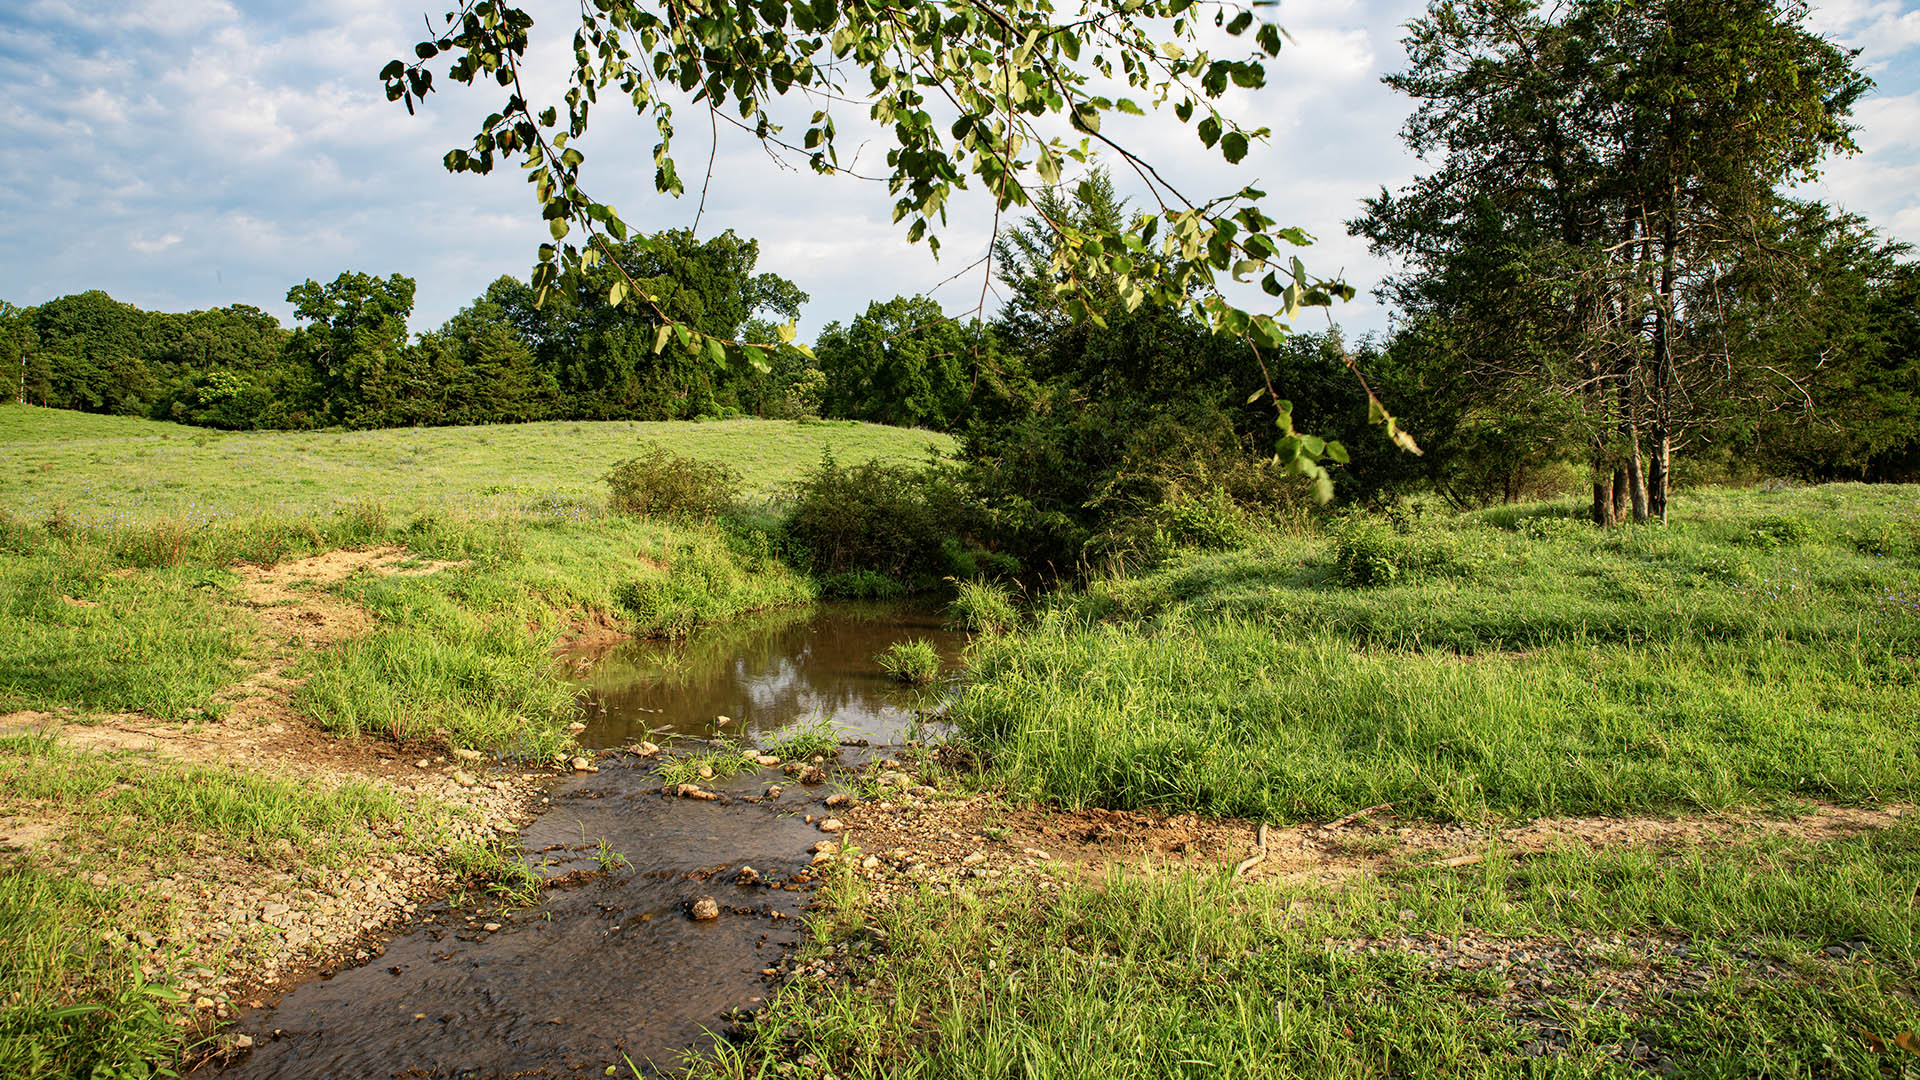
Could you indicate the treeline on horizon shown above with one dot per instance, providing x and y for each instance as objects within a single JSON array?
[{"x": 352, "y": 363}]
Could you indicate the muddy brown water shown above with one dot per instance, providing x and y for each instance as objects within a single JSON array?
[{"x": 608, "y": 970}]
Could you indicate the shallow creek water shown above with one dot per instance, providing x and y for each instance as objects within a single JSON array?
[{"x": 609, "y": 969}]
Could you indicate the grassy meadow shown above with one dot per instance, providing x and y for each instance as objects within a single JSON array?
[
  {"x": 125, "y": 469},
  {"x": 124, "y": 546},
  {"x": 1754, "y": 659}
]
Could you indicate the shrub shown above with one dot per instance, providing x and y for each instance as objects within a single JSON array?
[
  {"x": 913, "y": 525},
  {"x": 1369, "y": 551},
  {"x": 1778, "y": 530},
  {"x": 912, "y": 662},
  {"x": 1888, "y": 538},
  {"x": 861, "y": 585},
  {"x": 983, "y": 607},
  {"x": 661, "y": 483}
]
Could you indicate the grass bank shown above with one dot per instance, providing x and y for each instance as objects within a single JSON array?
[
  {"x": 1452, "y": 674},
  {"x": 1509, "y": 664},
  {"x": 115, "y": 468},
  {"x": 165, "y": 588},
  {"x": 1779, "y": 958}
]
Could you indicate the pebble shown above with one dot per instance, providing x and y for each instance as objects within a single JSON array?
[
  {"x": 832, "y": 825},
  {"x": 645, "y": 749},
  {"x": 767, "y": 760},
  {"x": 581, "y": 764},
  {"x": 694, "y": 791},
  {"x": 746, "y": 875},
  {"x": 839, "y": 798},
  {"x": 576, "y": 728},
  {"x": 463, "y": 778},
  {"x": 490, "y": 927},
  {"x": 703, "y": 908},
  {"x": 466, "y": 755}
]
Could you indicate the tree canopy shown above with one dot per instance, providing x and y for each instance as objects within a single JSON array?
[{"x": 1003, "y": 95}]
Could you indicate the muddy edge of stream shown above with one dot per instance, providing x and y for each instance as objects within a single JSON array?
[{"x": 661, "y": 918}]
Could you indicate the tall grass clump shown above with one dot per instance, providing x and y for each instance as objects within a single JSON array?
[
  {"x": 915, "y": 663},
  {"x": 73, "y": 1001},
  {"x": 983, "y": 607}
]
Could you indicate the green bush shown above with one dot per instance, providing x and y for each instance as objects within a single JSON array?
[
  {"x": 1885, "y": 538},
  {"x": 1371, "y": 551},
  {"x": 913, "y": 525},
  {"x": 661, "y": 483},
  {"x": 1777, "y": 531}
]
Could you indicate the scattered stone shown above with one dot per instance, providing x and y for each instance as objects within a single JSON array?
[
  {"x": 581, "y": 764},
  {"x": 463, "y": 778},
  {"x": 242, "y": 1042},
  {"x": 703, "y": 908},
  {"x": 98, "y": 881},
  {"x": 723, "y": 719},
  {"x": 871, "y": 862},
  {"x": 576, "y": 728},
  {"x": 423, "y": 763},
  {"x": 767, "y": 760},
  {"x": 644, "y": 749},
  {"x": 813, "y": 774},
  {"x": 694, "y": 791},
  {"x": 706, "y": 772},
  {"x": 466, "y": 755},
  {"x": 490, "y": 927},
  {"x": 832, "y": 825},
  {"x": 974, "y": 858},
  {"x": 839, "y": 798},
  {"x": 203, "y": 1003},
  {"x": 746, "y": 875}
]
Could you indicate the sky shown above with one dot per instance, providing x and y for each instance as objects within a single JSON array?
[{"x": 185, "y": 154}]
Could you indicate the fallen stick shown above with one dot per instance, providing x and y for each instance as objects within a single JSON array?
[{"x": 1255, "y": 859}]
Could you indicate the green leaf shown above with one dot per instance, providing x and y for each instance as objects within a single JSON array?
[{"x": 1233, "y": 146}]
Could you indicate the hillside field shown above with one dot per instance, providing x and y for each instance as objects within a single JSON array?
[{"x": 117, "y": 468}]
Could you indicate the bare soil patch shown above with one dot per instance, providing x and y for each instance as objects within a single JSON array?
[
  {"x": 981, "y": 836},
  {"x": 242, "y": 923}
]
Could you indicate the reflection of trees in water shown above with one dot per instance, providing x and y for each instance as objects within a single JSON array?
[{"x": 767, "y": 671}]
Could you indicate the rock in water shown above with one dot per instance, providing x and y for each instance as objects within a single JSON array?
[{"x": 702, "y": 908}]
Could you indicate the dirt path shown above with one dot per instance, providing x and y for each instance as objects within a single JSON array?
[
  {"x": 911, "y": 839},
  {"x": 244, "y": 922}
]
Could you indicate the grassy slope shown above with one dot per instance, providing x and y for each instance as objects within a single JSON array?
[
  {"x": 120, "y": 468},
  {"x": 1549, "y": 668},
  {"x": 118, "y": 540}
]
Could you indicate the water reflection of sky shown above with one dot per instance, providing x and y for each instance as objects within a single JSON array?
[{"x": 764, "y": 673}]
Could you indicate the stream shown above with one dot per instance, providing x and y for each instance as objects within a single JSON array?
[{"x": 609, "y": 970}]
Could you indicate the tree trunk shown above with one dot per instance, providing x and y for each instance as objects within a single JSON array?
[
  {"x": 1659, "y": 477},
  {"x": 1636, "y": 474},
  {"x": 1603, "y": 515},
  {"x": 1621, "y": 506}
]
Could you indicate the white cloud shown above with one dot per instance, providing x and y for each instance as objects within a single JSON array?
[
  {"x": 241, "y": 148},
  {"x": 154, "y": 247}
]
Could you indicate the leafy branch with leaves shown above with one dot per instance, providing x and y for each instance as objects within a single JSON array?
[{"x": 999, "y": 93}]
